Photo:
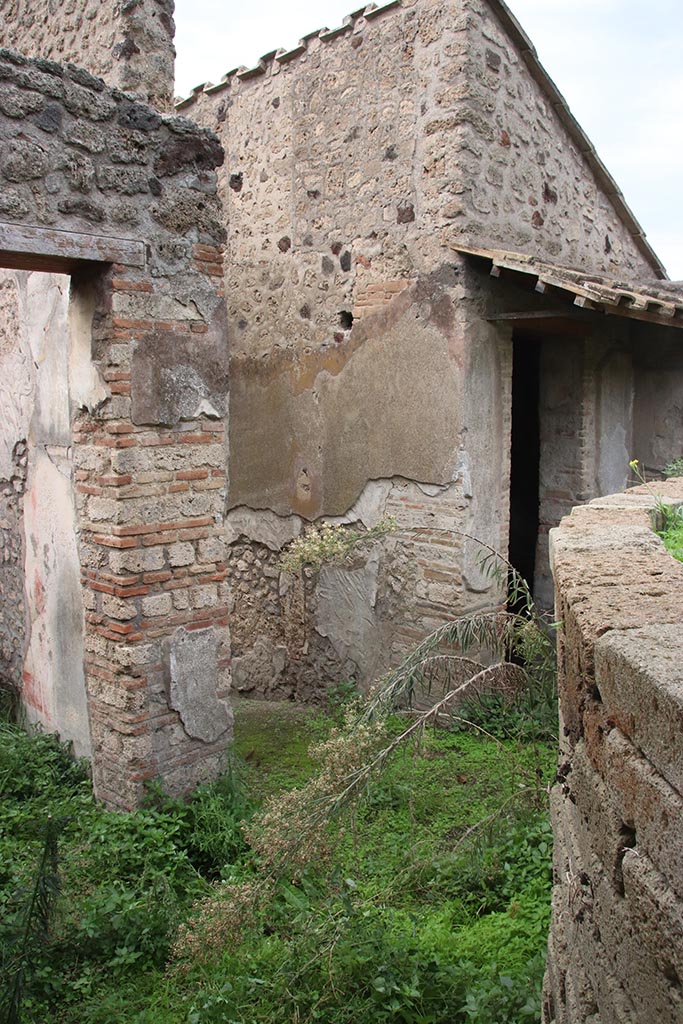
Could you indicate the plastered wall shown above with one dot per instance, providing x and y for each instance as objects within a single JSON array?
[
  {"x": 359, "y": 357},
  {"x": 43, "y": 615},
  {"x": 617, "y": 920},
  {"x": 658, "y": 414},
  {"x": 15, "y": 387}
]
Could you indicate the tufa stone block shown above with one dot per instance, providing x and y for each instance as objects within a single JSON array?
[{"x": 192, "y": 672}]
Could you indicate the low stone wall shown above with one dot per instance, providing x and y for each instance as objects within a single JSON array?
[{"x": 615, "y": 948}]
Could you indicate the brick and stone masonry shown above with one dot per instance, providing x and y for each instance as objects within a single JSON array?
[
  {"x": 124, "y": 426},
  {"x": 371, "y": 372},
  {"x": 366, "y": 378}
]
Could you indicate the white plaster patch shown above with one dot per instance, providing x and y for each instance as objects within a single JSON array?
[
  {"x": 261, "y": 526},
  {"x": 16, "y": 375},
  {"x": 462, "y": 472},
  {"x": 44, "y": 303},
  {"x": 345, "y": 612},
  {"x": 191, "y": 673},
  {"x": 54, "y": 686},
  {"x": 86, "y": 385},
  {"x": 370, "y": 506}
]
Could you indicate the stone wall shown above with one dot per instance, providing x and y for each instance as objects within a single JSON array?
[
  {"x": 141, "y": 436},
  {"x": 530, "y": 180},
  {"x": 615, "y": 942},
  {"x": 658, "y": 412},
  {"x": 293, "y": 636},
  {"x": 129, "y": 43},
  {"x": 359, "y": 356}
]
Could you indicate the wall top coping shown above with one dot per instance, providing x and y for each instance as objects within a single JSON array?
[
  {"x": 620, "y": 597},
  {"x": 42, "y": 75},
  {"x": 611, "y": 571}
]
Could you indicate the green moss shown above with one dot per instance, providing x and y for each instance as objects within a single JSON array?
[{"x": 273, "y": 740}]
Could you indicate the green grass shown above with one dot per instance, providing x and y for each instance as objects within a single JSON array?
[
  {"x": 673, "y": 539},
  {"x": 415, "y": 921}
]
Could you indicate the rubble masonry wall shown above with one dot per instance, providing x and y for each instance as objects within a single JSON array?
[{"x": 129, "y": 43}]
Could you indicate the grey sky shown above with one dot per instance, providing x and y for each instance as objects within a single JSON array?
[{"x": 618, "y": 63}]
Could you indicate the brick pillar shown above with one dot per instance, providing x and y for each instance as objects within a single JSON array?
[{"x": 150, "y": 499}]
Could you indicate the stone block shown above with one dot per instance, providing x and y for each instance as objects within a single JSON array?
[
  {"x": 192, "y": 677},
  {"x": 649, "y": 805},
  {"x": 602, "y": 825},
  {"x": 639, "y": 673},
  {"x": 116, "y": 608},
  {"x": 156, "y": 605},
  {"x": 181, "y": 554},
  {"x": 137, "y": 560},
  {"x": 657, "y": 914}
]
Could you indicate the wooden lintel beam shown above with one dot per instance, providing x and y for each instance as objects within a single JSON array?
[
  {"x": 539, "y": 314},
  {"x": 24, "y": 247},
  {"x": 645, "y": 316},
  {"x": 547, "y": 323}
]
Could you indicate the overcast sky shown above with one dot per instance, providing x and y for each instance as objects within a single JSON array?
[{"x": 619, "y": 64}]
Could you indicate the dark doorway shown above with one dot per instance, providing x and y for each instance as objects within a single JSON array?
[{"x": 525, "y": 456}]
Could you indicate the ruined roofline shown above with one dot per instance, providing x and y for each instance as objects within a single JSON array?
[
  {"x": 651, "y": 301},
  {"x": 527, "y": 53},
  {"x": 281, "y": 56}
]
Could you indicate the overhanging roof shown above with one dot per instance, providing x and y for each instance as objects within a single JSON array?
[{"x": 658, "y": 302}]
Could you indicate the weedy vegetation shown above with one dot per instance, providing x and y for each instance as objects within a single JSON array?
[
  {"x": 669, "y": 516},
  {"x": 373, "y": 863}
]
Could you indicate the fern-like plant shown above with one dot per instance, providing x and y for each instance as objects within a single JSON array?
[
  {"x": 508, "y": 649},
  {"x": 33, "y": 925}
]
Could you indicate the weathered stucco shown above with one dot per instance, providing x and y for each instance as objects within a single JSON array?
[
  {"x": 15, "y": 388},
  {"x": 360, "y": 351},
  {"x": 371, "y": 361},
  {"x": 52, "y": 681},
  {"x": 614, "y": 951},
  {"x": 658, "y": 406},
  {"x": 319, "y": 425}
]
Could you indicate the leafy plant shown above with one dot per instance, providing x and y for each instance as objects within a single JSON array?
[
  {"x": 330, "y": 544},
  {"x": 406, "y": 880},
  {"x": 669, "y": 516},
  {"x": 293, "y": 831},
  {"x": 674, "y": 468},
  {"x": 340, "y": 697}
]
